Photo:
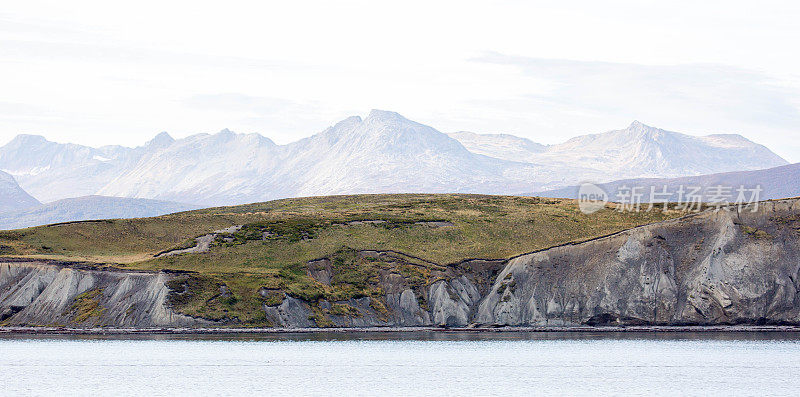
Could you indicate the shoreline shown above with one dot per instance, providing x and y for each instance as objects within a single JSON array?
[{"x": 399, "y": 330}]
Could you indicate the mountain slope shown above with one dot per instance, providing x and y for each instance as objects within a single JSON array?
[
  {"x": 12, "y": 197},
  {"x": 502, "y": 146},
  {"x": 388, "y": 153},
  {"x": 777, "y": 182},
  {"x": 86, "y": 208}
]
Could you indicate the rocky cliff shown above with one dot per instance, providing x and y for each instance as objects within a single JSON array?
[
  {"x": 716, "y": 267},
  {"x": 729, "y": 266},
  {"x": 44, "y": 293}
]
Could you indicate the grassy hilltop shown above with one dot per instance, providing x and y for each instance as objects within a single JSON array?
[{"x": 268, "y": 256}]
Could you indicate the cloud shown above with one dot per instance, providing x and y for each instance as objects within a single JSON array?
[
  {"x": 282, "y": 119},
  {"x": 128, "y": 54},
  {"x": 695, "y": 98},
  {"x": 677, "y": 90},
  {"x": 244, "y": 103}
]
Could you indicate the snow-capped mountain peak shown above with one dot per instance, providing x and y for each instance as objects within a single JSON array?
[
  {"x": 384, "y": 115},
  {"x": 163, "y": 139},
  {"x": 25, "y": 140}
]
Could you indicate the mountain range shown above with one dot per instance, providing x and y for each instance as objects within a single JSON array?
[
  {"x": 382, "y": 153},
  {"x": 635, "y": 152}
]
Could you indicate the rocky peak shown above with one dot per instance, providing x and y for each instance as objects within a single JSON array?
[
  {"x": 24, "y": 140},
  {"x": 384, "y": 115},
  {"x": 163, "y": 139}
]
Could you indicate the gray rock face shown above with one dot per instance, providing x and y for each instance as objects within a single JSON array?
[
  {"x": 723, "y": 267},
  {"x": 452, "y": 302},
  {"x": 291, "y": 313},
  {"x": 37, "y": 293}
]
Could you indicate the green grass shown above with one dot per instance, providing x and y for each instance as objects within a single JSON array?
[{"x": 279, "y": 237}]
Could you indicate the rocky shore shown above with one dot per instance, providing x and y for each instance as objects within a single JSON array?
[{"x": 489, "y": 330}]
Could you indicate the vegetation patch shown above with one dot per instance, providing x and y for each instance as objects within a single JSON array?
[
  {"x": 86, "y": 306},
  {"x": 380, "y": 308},
  {"x": 231, "y": 298},
  {"x": 273, "y": 298},
  {"x": 320, "y": 318},
  {"x": 343, "y": 309},
  {"x": 756, "y": 233}
]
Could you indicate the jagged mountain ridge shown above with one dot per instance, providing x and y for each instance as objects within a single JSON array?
[{"x": 383, "y": 153}]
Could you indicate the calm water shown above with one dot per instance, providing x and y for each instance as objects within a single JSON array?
[{"x": 408, "y": 364}]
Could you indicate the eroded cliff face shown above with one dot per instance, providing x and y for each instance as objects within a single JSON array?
[
  {"x": 38, "y": 293},
  {"x": 716, "y": 267},
  {"x": 451, "y": 300}
]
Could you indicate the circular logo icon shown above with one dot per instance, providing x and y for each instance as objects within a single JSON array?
[{"x": 591, "y": 198}]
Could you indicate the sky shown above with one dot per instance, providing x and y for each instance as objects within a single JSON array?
[{"x": 100, "y": 72}]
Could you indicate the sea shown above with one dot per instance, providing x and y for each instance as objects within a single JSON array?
[{"x": 403, "y": 364}]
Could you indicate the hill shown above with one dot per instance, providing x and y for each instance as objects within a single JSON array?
[
  {"x": 408, "y": 260},
  {"x": 262, "y": 251}
]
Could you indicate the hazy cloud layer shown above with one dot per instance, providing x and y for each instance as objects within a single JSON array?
[
  {"x": 694, "y": 98},
  {"x": 96, "y": 72}
]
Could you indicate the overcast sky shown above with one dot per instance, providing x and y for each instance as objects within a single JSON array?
[{"x": 118, "y": 73}]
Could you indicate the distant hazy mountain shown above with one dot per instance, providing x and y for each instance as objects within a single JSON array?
[
  {"x": 778, "y": 182},
  {"x": 502, "y": 146},
  {"x": 89, "y": 207},
  {"x": 637, "y": 151},
  {"x": 12, "y": 197},
  {"x": 222, "y": 168},
  {"x": 50, "y": 171},
  {"x": 382, "y": 153}
]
